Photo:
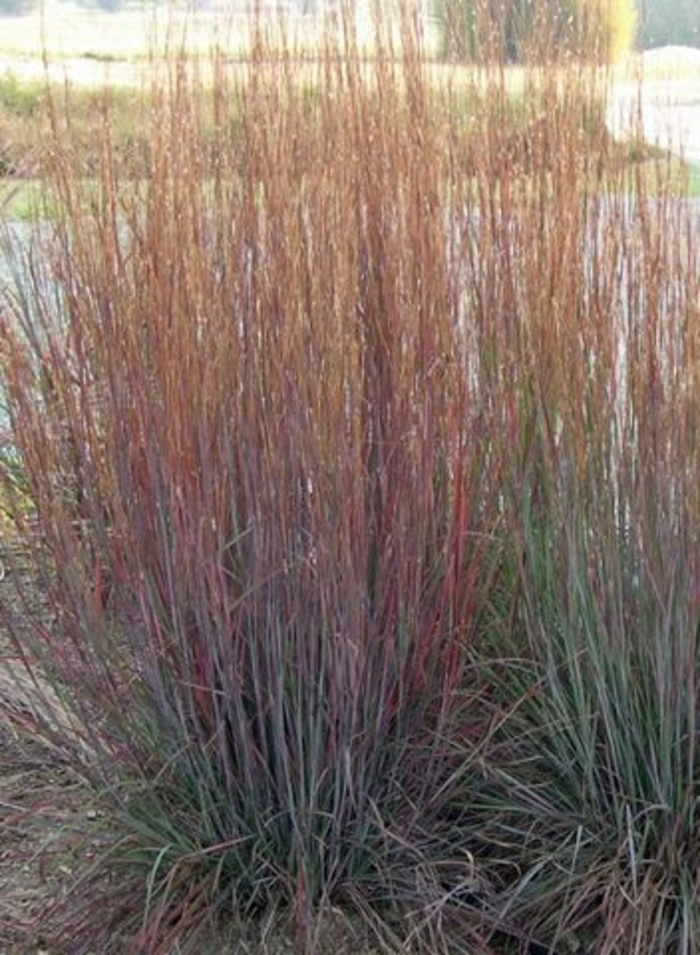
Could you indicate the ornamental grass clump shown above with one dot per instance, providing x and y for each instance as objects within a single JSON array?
[
  {"x": 262, "y": 502},
  {"x": 592, "y": 792},
  {"x": 357, "y": 443}
]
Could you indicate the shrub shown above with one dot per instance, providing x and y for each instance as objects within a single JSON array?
[
  {"x": 11, "y": 8},
  {"x": 477, "y": 30},
  {"x": 665, "y": 23}
]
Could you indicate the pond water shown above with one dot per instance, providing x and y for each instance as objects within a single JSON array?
[
  {"x": 669, "y": 125},
  {"x": 16, "y": 240},
  {"x": 664, "y": 106}
]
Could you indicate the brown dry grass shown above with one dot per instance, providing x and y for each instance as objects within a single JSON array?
[{"x": 369, "y": 541}]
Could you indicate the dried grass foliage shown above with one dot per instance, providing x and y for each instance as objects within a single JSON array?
[{"x": 361, "y": 433}]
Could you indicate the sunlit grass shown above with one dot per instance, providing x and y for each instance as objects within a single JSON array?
[{"x": 693, "y": 173}]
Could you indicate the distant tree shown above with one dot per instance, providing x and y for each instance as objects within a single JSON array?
[
  {"x": 12, "y": 8},
  {"x": 515, "y": 30},
  {"x": 664, "y": 22},
  {"x": 107, "y": 6}
]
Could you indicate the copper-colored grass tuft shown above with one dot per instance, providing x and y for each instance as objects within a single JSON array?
[{"x": 360, "y": 430}]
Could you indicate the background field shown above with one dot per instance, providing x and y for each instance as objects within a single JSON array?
[{"x": 91, "y": 48}]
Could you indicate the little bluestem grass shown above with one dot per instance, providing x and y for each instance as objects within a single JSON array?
[{"x": 361, "y": 445}]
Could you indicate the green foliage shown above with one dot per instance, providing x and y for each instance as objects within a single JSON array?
[
  {"x": 16, "y": 7},
  {"x": 664, "y": 22},
  {"x": 15, "y": 501},
  {"x": 20, "y": 98},
  {"x": 518, "y": 30},
  {"x": 606, "y": 716}
]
